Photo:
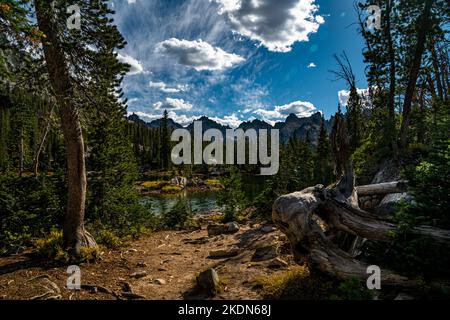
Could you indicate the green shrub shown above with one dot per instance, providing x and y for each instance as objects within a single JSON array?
[
  {"x": 232, "y": 196},
  {"x": 30, "y": 208},
  {"x": 352, "y": 289},
  {"x": 179, "y": 217},
  {"x": 52, "y": 248}
]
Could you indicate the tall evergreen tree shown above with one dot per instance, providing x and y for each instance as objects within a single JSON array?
[{"x": 82, "y": 65}]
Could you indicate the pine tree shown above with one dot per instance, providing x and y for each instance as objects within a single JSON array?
[
  {"x": 323, "y": 171},
  {"x": 83, "y": 70},
  {"x": 165, "y": 141}
]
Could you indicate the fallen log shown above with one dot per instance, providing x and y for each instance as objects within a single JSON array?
[
  {"x": 311, "y": 219},
  {"x": 382, "y": 188}
]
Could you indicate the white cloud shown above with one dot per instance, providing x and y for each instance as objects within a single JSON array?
[
  {"x": 198, "y": 54},
  {"x": 165, "y": 88},
  {"x": 173, "y": 104},
  {"x": 299, "y": 108},
  {"x": 136, "y": 66},
  {"x": 232, "y": 120},
  {"x": 132, "y": 100},
  {"x": 131, "y": 1},
  {"x": 276, "y": 24},
  {"x": 344, "y": 95},
  {"x": 311, "y": 65}
]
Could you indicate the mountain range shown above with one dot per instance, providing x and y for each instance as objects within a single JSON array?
[{"x": 292, "y": 127}]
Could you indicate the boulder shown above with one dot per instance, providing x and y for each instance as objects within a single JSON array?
[
  {"x": 218, "y": 229},
  {"x": 388, "y": 203},
  {"x": 266, "y": 253},
  {"x": 209, "y": 281}
]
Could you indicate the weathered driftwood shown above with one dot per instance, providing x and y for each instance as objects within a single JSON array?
[
  {"x": 382, "y": 188},
  {"x": 313, "y": 217}
]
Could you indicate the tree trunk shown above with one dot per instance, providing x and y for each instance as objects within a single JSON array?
[
  {"x": 75, "y": 236},
  {"x": 392, "y": 82},
  {"x": 382, "y": 188},
  {"x": 314, "y": 218},
  {"x": 21, "y": 152},
  {"x": 414, "y": 71},
  {"x": 38, "y": 152}
]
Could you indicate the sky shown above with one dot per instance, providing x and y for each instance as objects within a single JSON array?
[{"x": 236, "y": 60}]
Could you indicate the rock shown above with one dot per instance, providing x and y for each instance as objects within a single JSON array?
[
  {"x": 160, "y": 281},
  {"x": 223, "y": 253},
  {"x": 388, "y": 203},
  {"x": 209, "y": 281},
  {"x": 218, "y": 229},
  {"x": 142, "y": 265},
  {"x": 268, "y": 229},
  {"x": 266, "y": 253},
  {"x": 138, "y": 274},
  {"x": 403, "y": 296},
  {"x": 277, "y": 263},
  {"x": 233, "y": 227}
]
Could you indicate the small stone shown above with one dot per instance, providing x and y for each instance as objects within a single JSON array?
[
  {"x": 126, "y": 287},
  {"x": 277, "y": 263},
  {"x": 209, "y": 281},
  {"x": 224, "y": 253},
  {"x": 161, "y": 282},
  {"x": 233, "y": 227},
  {"x": 268, "y": 229},
  {"x": 215, "y": 229},
  {"x": 138, "y": 274},
  {"x": 265, "y": 253},
  {"x": 403, "y": 296}
]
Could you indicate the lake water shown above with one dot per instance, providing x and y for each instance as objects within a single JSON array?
[{"x": 202, "y": 202}]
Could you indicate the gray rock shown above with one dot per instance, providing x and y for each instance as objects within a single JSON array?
[
  {"x": 138, "y": 274},
  {"x": 268, "y": 229},
  {"x": 209, "y": 281},
  {"x": 266, "y": 253},
  {"x": 389, "y": 202},
  {"x": 403, "y": 296},
  {"x": 218, "y": 229},
  {"x": 277, "y": 263},
  {"x": 224, "y": 253},
  {"x": 160, "y": 281}
]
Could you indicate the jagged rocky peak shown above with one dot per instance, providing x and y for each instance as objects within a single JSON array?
[
  {"x": 255, "y": 124},
  {"x": 292, "y": 127}
]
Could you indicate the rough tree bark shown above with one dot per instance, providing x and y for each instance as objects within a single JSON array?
[
  {"x": 423, "y": 29},
  {"x": 312, "y": 219},
  {"x": 75, "y": 235}
]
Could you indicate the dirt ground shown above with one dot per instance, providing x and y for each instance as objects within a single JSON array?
[{"x": 160, "y": 266}]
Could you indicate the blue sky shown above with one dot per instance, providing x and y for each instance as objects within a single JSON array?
[{"x": 236, "y": 60}]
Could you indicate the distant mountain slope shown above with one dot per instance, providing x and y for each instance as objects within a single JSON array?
[{"x": 292, "y": 127}]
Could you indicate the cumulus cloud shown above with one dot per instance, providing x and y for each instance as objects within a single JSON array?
[
  {"x": 276, "y": 24},
  {"x": 198, "y": 54},
  {"x": 136, "y": 66},
  {"x": 299, "y": 108},
  {"x": 167, "y": 89},
  {"x": 172, "y": 104},
  {"x": 232, "y": 120},
  {"x": 344, "y": 95},
  {"x": 183, "y": 119}
]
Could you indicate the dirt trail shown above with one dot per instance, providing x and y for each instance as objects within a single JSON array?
[{"x": 159, "y": 266}]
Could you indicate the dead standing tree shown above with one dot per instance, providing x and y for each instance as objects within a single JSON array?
[{"x": 315, "y": 218}]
